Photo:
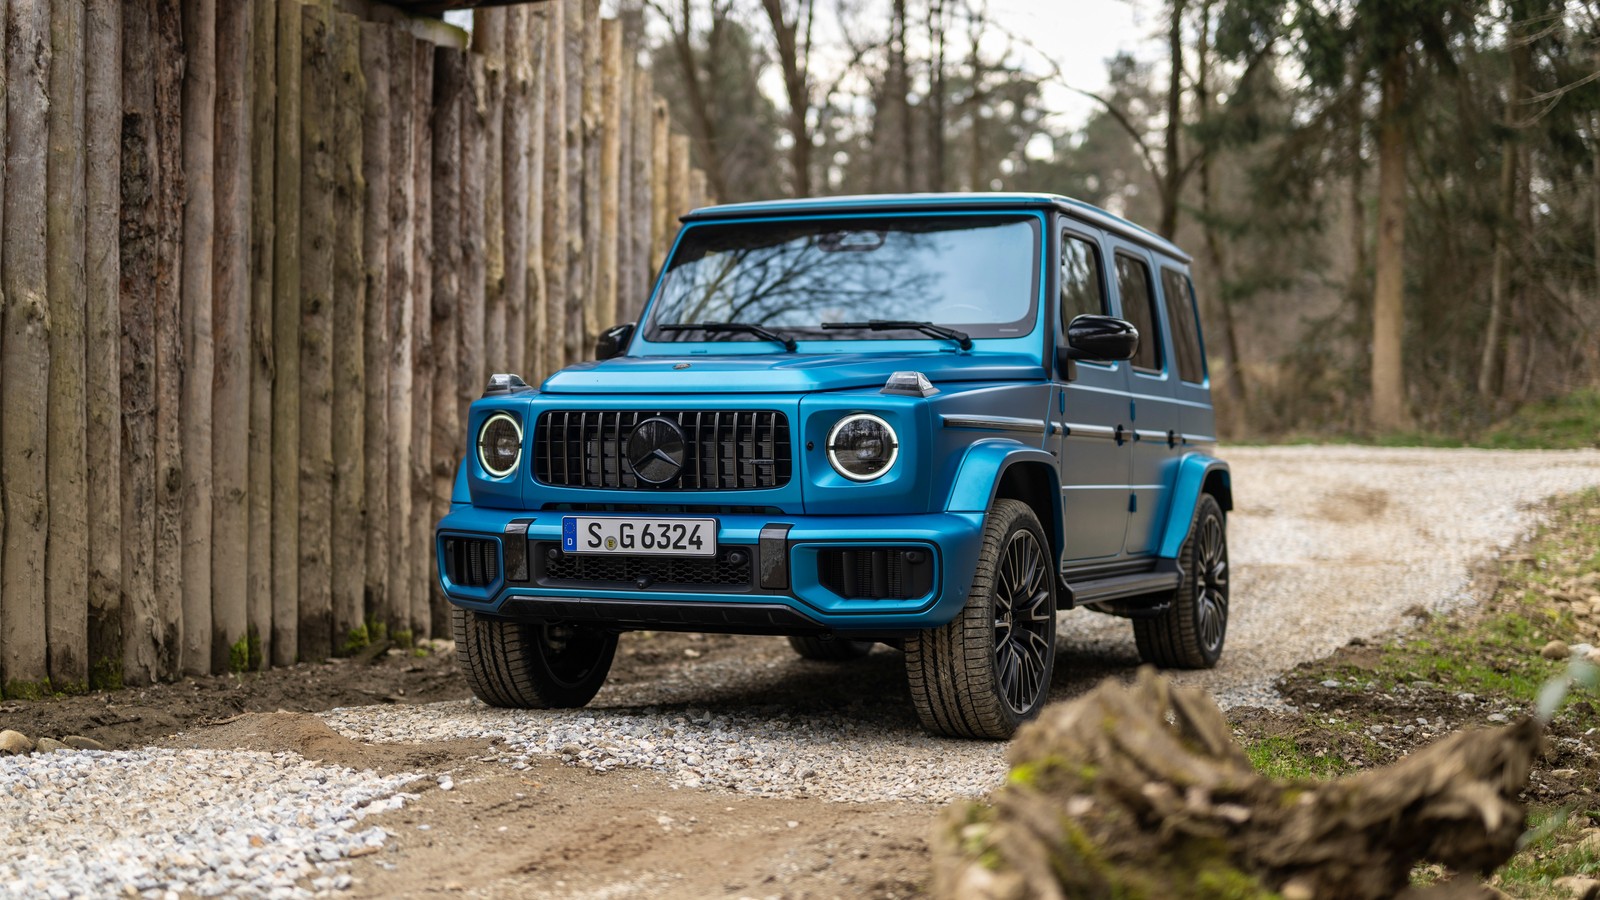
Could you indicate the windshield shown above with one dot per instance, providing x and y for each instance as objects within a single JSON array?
[{"x": 974, "y": 273}]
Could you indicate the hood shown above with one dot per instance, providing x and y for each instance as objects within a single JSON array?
[{"x": 773, "y": 373}]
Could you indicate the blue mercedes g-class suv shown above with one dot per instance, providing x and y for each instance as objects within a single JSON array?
[{"x": 929, "y": 421}]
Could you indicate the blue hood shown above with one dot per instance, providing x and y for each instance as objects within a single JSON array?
[{"x": 782, "y": 373}]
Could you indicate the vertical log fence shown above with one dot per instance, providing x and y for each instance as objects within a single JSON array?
[{"x": 256, "y": 256}]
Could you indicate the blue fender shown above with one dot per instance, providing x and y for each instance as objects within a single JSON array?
[
  {"x": 462, "y": 492},
  {"x": 981, "y": 470},
  {"x": 1195, "y": 471}
]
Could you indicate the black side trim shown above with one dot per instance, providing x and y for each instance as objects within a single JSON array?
[
  {"x": 774, "y": 562},
  {"x": 633, "y": 615},
  {"x": 1132, "y": 595}
]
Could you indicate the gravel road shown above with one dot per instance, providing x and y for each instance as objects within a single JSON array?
[{"x": 1327, "y": 544}]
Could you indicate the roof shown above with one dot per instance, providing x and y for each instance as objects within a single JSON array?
[{"x": 917, "y": 202}]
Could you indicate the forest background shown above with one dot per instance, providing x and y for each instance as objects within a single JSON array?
[{"x": 1393, "y": 205}]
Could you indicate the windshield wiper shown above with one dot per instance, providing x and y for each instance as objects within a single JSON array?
[
  {"x": 765, "y": 334},
  {"x": 928, "y": 328}
]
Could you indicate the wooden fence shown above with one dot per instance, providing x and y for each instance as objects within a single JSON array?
[{"x": 257, "y": 256}]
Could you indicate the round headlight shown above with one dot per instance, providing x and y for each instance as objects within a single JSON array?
[
  {"x": 500, "y": 444},
  {"x": 862, "y": 447}
]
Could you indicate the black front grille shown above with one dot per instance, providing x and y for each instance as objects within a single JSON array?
[
  {"x": 730, "y": 568},
  {"x": 723, "y": 450},
  {"x": 876, "y": 573},
  {"x": 471, "y": 563}
]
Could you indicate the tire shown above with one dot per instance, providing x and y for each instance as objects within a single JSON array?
[
  {"x": 988, "y": 670},
  {"x": 1191, "y": 633},
  {"x": 520, "y": 665},
  {"x": 829, "y": 649}
]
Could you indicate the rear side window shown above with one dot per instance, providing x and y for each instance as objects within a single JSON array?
[
  {"x": 1139, "y": 307},
  {"x": 1179, "y": 294},
  {"x": 1083, "y": 287}
]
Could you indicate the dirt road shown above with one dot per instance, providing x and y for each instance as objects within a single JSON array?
[{"x": 724, "y": 766}]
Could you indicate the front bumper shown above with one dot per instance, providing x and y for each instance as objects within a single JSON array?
[{"x": 529, "y": 579}]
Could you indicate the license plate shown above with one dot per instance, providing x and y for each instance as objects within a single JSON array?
[{"x": 639, "y": 537}]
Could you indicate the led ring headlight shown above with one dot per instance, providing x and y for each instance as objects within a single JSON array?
[
  {"x": 500, "y": 444},
  {"x": 862, "y": 447}
]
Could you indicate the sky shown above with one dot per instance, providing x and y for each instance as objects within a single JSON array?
[{"x": 1078, "y": 35}]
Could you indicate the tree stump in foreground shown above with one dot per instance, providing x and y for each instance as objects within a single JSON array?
[{"x": 1139, "y": 790}]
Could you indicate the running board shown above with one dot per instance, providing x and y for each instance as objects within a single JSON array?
[{"x": 1135, "y": 596}]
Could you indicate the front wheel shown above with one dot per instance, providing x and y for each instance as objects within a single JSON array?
[
  {"x": 1190, "y": 634},
  {"x": 988, "y": 670},
  {"x": 521, "y": 665}
]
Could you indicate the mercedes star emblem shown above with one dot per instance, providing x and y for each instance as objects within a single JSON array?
[{"x": 655, "y": 450}]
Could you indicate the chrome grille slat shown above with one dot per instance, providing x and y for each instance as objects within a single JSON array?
[{"x": 721, "y": 449}]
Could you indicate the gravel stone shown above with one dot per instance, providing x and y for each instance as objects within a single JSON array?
[
  {"x": 14, "y": 743},
  {"x": 1556, "y": 650}
]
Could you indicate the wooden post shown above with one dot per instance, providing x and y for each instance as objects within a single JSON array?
[
  {"x": 610, "y": 123},
  {"x": 557, "y": 197},
  {"x": 449, "y": 96},
  {"x": 230, "y": 420},
  {"x": 349, "y": 314},
  {"x": 576, "y": 259},
  {"x": 103, "y": 322},
  {"x": 642, "y": 220},
  {"x": 472, "y": 234},
  {"x": 677, "y": 182},
  {"x": 317, "y": 237},
  {"x": 404, "y": 586},
  {"x": 489, "y": 45},
  {"x": 167, "y": 60},
  {"x": 540, "y": 46},
  {"x": 67, "y": 559},
  {"x": 515, "y": 145},
  {"x": 422, "y": 346},
  {"x": 623, "y": 288},
  {"x": 25, "y": 351},
  {"x": 263, "y": 232},
  {"x": 286, "y": 344},
  {"x": 581, "y": 340},
  {"x": 136, "y": 298},
  {"x": 376, "y": 131},
  {"x": 697, "y": 189},
  {"x": 660, "y": 181},
  {"x": 199, "y": 258}
]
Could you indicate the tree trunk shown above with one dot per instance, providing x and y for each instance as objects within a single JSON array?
[
  {"x": 67, "y": 559},
  {"x": 230, "y": 619},
  {"x": 489, "y": 43},
  {"x": 199, "y": 259},
  {"x": 1389, "y": 411},
  {"x": 937, "y": 29},
  {"x": 627, "y": 210},
  {"x": 263, "y": 244},
  {"x": 376, "y": 130},
  {"x": 515, "y": 146},
  {"x": 103, "y": 322},
  {"x": 1172, "y": 177},
  {"x": 405, "y": 587},
  {"x": 472, "y": 234},
  {"x": 349, "y": 522},
  {"x": 317, "y": 253},
  {"x": 610, "y": 185},
  {"x": 582, "y": 313},
  {"x": 538, "y": 149},
  {"x": 422, "y": 557},
  {"x": 170, "y": 363},
  {"x": 698, "y": 87},
  {"x": 557, "y": 196},
  {"x": 678, "y": 178},
  {"x": 25, "y": 351},
  {"x": 140, "y": 180},
  {"x": 1489, "y": 366},
  {"x": 797, "y": 87},
  {"x": 449, "y": 98},
  {"x": 286, "y": 343}
]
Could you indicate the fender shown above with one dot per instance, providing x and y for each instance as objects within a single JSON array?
[
  {"x": 1194, "y": 470},
  {"x": 462, "y": 492},
  {"x": 982, "y": 467}
]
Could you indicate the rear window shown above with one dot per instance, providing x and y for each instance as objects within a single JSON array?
[
  {"x": 1139, "y": 307},
  {"x": 1185, "y": 319}
]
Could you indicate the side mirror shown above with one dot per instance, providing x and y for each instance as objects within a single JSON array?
[
  {"x": 1101, "y": 339},
  {"x": 613, "y": 341}
]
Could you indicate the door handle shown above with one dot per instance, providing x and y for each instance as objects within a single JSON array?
[
  {"x": 1119, "y": 435},
  {"x": 1172, "y": 439}
]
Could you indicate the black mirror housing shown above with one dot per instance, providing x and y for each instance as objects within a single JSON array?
[
  {"x": 1101, "y": 339},
  {"x": 613, "y": 341}
]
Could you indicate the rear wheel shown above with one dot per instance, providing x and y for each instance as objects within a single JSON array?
[
  {"x": 829, "y": 649},
  {"x": 988, "y": 670},
  {"x": 523, "y": 665},
  {"x": 1190, "y": 634}
]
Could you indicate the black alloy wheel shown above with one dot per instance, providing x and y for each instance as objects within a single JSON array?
[
  {"x": 1191, "y": 632},
  {"x": 526, "y": 665},
  {"x": 1024, "y": 622}
]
